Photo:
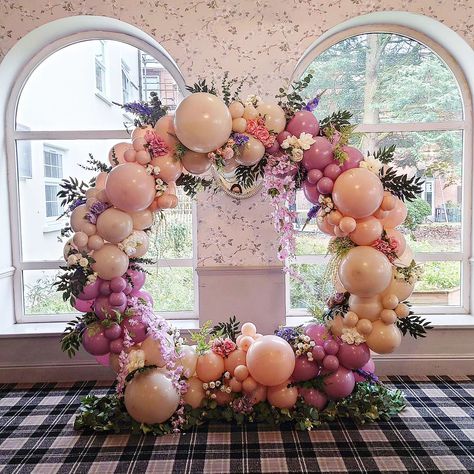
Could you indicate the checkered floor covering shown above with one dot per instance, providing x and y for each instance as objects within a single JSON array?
[{"x": 434, "y": 434}]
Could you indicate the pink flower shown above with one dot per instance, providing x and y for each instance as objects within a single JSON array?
[
  {"x": 156, "y": 145},
  {"x": 223, "y": 347},
  {"x": 256, "y": 128},
  {"x": 227, "y": 153}
]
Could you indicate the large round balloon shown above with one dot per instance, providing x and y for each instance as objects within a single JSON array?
[
  {"x": 151, "y": 397},
  {"x": 270, "y": 360},
  {"x": 339, "y": 384},
  {"x": 365, "y": 271},
  {"x": 142, "y": 219},
  {"x": 130, "y": 188},
  {"x": 384, "y": 338},
  {"x": 110, "y": 262},
  {"x": 250, "y": 153},
  {"x": 274, "y": 115},
  {"x": 114, "y": 225},
  {"x": 367, "y": 231},
  {"x": 164, "y": 128},
  {"x": 357, "y": 193},
  {"x": 170, "y": 167},
  {"x": 195, "y": 163},
  {"x": 202, "y": 122}
]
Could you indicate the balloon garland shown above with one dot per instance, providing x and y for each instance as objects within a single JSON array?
[{"x": 307, "y": 374}]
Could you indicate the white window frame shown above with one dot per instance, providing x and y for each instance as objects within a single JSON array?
[
  {"x": 13, "y": 135},
  {"x": 102, "y": 65},
  {"x": 48, "y": 180},
  {"x": 464, "y": 125}
]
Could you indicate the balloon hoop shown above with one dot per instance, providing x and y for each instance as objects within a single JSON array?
[{"x": 308, "y": 375}]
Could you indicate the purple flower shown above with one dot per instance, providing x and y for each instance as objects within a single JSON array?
[
  {"x": 288, "y": 334},
  {"x": 312, "y": 104},
  {"x": 369, "y": 376},
  {"x": 339, "y": 298},
  {"x": 138, "y": 108},
  {"x": 240, "y": 139},
  {"x": 243, "y": 405},
  {"x": 313, "y": 211},
  {"x": 96, "y": 210},
  {"x": 76, "y": 203}
]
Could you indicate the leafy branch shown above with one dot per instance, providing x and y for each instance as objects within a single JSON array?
[
  {"x": 291, "y": 100},
  {"x": 336, "y": 120},
  {"x": 228, "y": 85},
  {"x": 201, "y": 337},
  {"x": 246, "y": 176},
  {"x": 415, "y": 326},
  {"x": 385, "y": 154},
  {"x": 202, "y": 86},
  {"x": 95, "y": 165},
  {"x": 193, "y": 184},
  {"x": 72, "y": 336},
  {"x": 230, "y": 329},
  {"x": 405, "y": 188}
]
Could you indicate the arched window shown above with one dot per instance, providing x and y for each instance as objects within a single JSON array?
[
  {"x": 403, "y": 89},
  {"x": 64, "y": 111}
]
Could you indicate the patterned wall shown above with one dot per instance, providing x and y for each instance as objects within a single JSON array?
[{"x": 261, "y": 40}]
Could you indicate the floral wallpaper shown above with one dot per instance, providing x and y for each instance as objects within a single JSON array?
[{"x": 261, "y": 40}]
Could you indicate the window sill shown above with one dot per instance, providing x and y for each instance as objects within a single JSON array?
[{"x": 103, "y": 98}]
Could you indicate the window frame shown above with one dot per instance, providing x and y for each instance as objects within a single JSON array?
[
  {"x": 13, "y": 135},
  {"x": 52, "y": 181},
  {"x": 464, "y": 256},
  {"x": 102, "y": 65}
]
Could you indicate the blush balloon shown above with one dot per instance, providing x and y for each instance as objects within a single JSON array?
[
  {"x": 116, "y": 153},
  {"x": 114, "y": 225},
  {"x": 110, "y": 262},
  {"x": 396, "y": 216},
  {"x": 303, "y": 121},
  {"x": 319, "y": 155},
  {"x": 367, "y": 231},
  {"x": 164, "y": 128},
  {"x": 170, "y": 167},
  {"x": 195, "y": 163},
  {"x": 354, "y": 157},
  {"x": 282, "y": 396},
  {"x": 311, "y": 192},
  {"x": 353, "y": 356}
]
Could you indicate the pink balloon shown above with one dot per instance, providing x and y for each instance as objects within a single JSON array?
[
  {"x": 367, "y": 231},
  {"x": 130, "y": 188},
  {"x": 104, "y": 288},
  {"x": 117, "y": 299},
  {"x": 330, "y": 363},
  {"x": 332, "y": 171},
  {"x": 314, "y": 397},
  {"x": 396, "y": 216},
  {"x": 357, "y": 193},
  {"x": 339, "y": 384},
  {"x": 170, "y": 167},
  {"x": 303, "y": 121},
  {"x": 324, "y": 226},
  {"x": 118, "y": 284},
  {"x": 273, "y": 149},
  {"x": 304, "y": 369},
  {"x": 103, "y": 360},
  {"x": 144, "y": 295},
  {"x": 314, "y": 175},
  {"x": 319, "y": 155},
  {"x": 282, "y": 136},
  {"x": 84, "y": 306},
  {"x": 353, "y": 356},
  {"x": 368, "y": 367},
  {"x": 325, "y": 185},
  {"x": 318, "y": 333},
  {"x": 94, "y": 340},
  {"x": 311, "y": 192},
  {"x": 164, "y": 128},
  {"x": 102, "y": 307},
  {"x": 354, "y": 157},
  {"x": 90, "y": 291},
  {"x": 137, "y": 278},
  {"x": 136, "y": 328},
  {"x": 116, "y": 153}
]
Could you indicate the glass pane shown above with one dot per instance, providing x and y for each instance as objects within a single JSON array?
[
  {"x": 40, "y": 297},
  {"x": 439, "y": 286},
  {"x": 172, "y": 288},
  {"x": 315, "y": 288},
  {"x": 383, "y": 78},
  {"x": 60, "y": 94},
  {"x": 435, "y": 219}
]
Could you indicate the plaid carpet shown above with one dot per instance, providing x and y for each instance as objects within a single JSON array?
[{"x": 434, "y": 434}]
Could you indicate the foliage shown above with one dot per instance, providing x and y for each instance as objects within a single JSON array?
[
  {"x": 385, "y": 154},
  {"x": 72, "y": 280},
  {"x": 247, "y": 176},
  {"x": 291, "y": 100},
  {"x": 93, "y": 164},
  {"x": 407, "y": 189},
  {"x": 72, "y": 190},
  {"x": 146, "y": 113},
  {"x": 201, "y": 337},
  {"x": 227, "y": 85},
  {"x": 418, "y": 211},
  {"x": 230, "y": 329},
  {"x": 193, "y": 184},
  {"x": 140, "y": 264},
  {"x": 337, "y": 120},
  {"x": 415, "y": 326},
  {"x": 72, "y": 336},
  {"x": 368, "y": 403},
  {"x": 202, "y": 86}
]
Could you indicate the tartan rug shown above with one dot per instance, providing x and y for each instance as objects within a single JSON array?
[{"x": 435, "y": 433}]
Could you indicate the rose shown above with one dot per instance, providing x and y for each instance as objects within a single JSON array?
[
  {"x": 228, "y": 153},
  {"x": 252, "y": 126},
  {"x": 262, "y": 134},
  {"x": 296, "y": 154}
]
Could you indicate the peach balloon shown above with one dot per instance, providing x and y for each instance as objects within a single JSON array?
[
  {"x": 406, "y": 258},
  {"x": 235, "y": 385},
  {"x": 142, "y": 157},
  {"x": 114, "y": 225},
  {"x": 250, "y": 112},
  {"x": 350, "y": 319},
  {"x": 110, "y": 262},
  {"x": 380, "y": 213},
  {"x": 195, "y": 393},
  {"x": 95, "y": 242},
  {"x": 223, "y": 398},
  {"x": 100, "y": 180},
  {"x": 245, "y": 343},
  {"x": 188, "y": 359},
  {"x": 367, "y": 231},
  {"x": 89, "y": 229},
  {"x": 388, "y": 316},
  {"x": 365, "y": 271},
  {"x": 164, "y": 128},
  {"x": 401, "y": 288},
  {"x": 142, "y": 219},
  {"x": 282, "y": 396},
  {"x": 274, "y": 116},
  {"x": 116, "y": 153},
  {"x": 400, "y": 239},
  {"x": 114, "y": 362},
  {"x": 195, "y": 163},
  {"x": 249, "y": 384},
  {"x": 249, "y": 329},
  {"x": 388, "y": 201},
  {"x": 166, "y": 201},
  {"x": 334, "y": 218},
  {"x": 270, "y": 360},
  {"x": 92, "y": 193},
  {"x": 357, "y": 193},
  {"x": 396, "y": 216},
  {"x": 337, "y": 325},
  {"x": 324, "y": 226},
  {"x": 130, "y": 155},
  {"x": 142, "y": 243},
  {"x": 236, "y": 109},
  {"x": 170, "y": 167},
  {"x": 259, "y": 394},
  {"x": 80, "y": 239},
  {"x": 347, "y": 224},
  {"x": 239, "y": 125},
  {"x": 141, "y": 131},
  {"x": 250, "y": 153},
  {"x": 241, "y": 372},
  {"x": 209, "y": 366},
  {"x": 234, "y": 359},
  {"x": 78, "y": 218},
  {"x": 154, "y": 351},
  {"x": 139, "y": 144},
  {"x": 202, "y": 122},
  {"x": 402, "y": 310},
  {"x": 130, "y": 188},
  {"x": 364, "y": 327},
  {"x": 390, "y": 301},
  {"x": 339, "y": 233},
  {"x": 368, "y": 308},
  {"x": 150, "y": 397},
  {"x": 384, "y": 338}
]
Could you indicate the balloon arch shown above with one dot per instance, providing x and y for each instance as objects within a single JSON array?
[{"x": 308, "y": 374}]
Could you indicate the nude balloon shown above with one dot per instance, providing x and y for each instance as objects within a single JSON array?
[
  {"x": 195, "y": 163},
  {"x": 150, "y": 397},
  {"x": 384, "y": 338},
  {"x": 250, "y": 153},
  {"x": 170, "y": 167},
  {"x": 367, "y": 231},
  {"x": 154, "y": 352},
  {"x": 202, "y": 122},
  {"x": 209, "y": 367},
  {"x": 401, "y": 288},
  {"x": 274, "y": 115},
  {"x": 357, "y": 193},
  {"x": 270, "y": 360},
  {"x": 188, "y": 358},
  {"x": 78, "y": 218},
  {"x": 130, "y": 188},
  {"x": 282, "y": 396},
  {"x": 366, "y": 308},
  {"x": 114, "y": 225},
  {"x": 164, "y": 128},
  {"x": 234, "y": 359},
  {"x": 116, "y": 153},
  {"x": 142, "y": 219},
  {"x": 396, "y": 216},
  {"x": 110, "y": 262},
  {"x": 141, "y": 131},
  {"x": 195, "y": 393},
  {"x": 365, "y": 271}
]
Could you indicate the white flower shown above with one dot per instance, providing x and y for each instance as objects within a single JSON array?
[
  {"x": 290, "y": 142},
  {"x": 136, "y": 360},
  {"x": 352, "y": 336},
  {"x": 72, "y": 260},
  {"x": 253, "y": 100},
  {"x": 227, "y": 375},
  {"x": 130, "y": 250},
  {"x": 83, "y": 262},
  {"x": 296, "y": 154},
  {"x": 228, "y": 389},
  {"x": 372, "y": 164},
  {"x": 306, "y": 140},
  {"x": 213, "y": 396},
  {"x": 205, "y": 386},
  {"x": 156, "y": 170},
  {"x": 212, "y": 384},
  {"x": 92, "y": 278},
  {"x": 218, "y": 383}
]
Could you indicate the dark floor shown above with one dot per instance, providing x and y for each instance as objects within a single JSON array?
[{"x": 434, "y": 434}]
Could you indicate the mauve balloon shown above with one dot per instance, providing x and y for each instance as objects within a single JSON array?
[
  {"x": 319, "y": 155},
  {"x": 104, "y": 288},
  {"x": 94, "y": 340},
  {"x": 317, "y": 332},
  {"x": 354, "y": 157},
  {"x": 91, "y": 291},
  {"x": 339, "y": 384},
  {"x": 369, "y": 367},
  {"x": 325, "y": 185},
  {"x": 353, "y": 356},
  {"x": 314, "y": 397},
  {"x": 84, "y": 306},
  {"x": 304, "y": 369},
  {"x": 332, "y": 171},
  {"x": 136, "y": 328},
  {"x": 303, "y": 121},
  {"x": 117, "y": 299},
  {"x": 102, "y": 307},
  {"x": 314, "y": 176},
  {"x": 282, "y": 136},
  {"x": 275, "y": 148},
  {"x": 311, "y": 192},
  {"x": 137, "y": 278}
]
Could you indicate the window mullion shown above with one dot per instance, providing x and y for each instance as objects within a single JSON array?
[
  {"x": 71, "y": 135},
  {"x": 410, "y": 127}
]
